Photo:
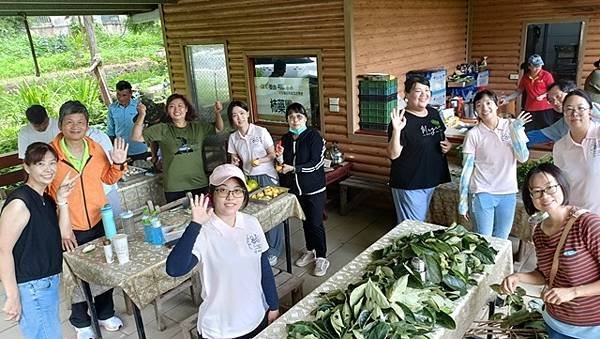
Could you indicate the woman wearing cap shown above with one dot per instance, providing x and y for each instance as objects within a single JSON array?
[
  {"x": 578, "y": 152},
  {"x": 572, "y": 293},
  {"x": 417, "y": 148},
  {"x": 252, "y": 147},
  {"x": 535, "y": 84},
  {"x": 488, "y": 183},
  {"x": 180, "y": 139},
  {"x": 32, "y": 225},
  {"x": 592, "y": 83},
  {"x": 238, "y": 288},
  {"x": 302, "y": 155}
]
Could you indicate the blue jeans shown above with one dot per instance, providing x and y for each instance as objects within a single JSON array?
[
  {"x": 275, "y": 235},
  {"x": 493, "y": 214},
  {"x": 40, "y": 308},
  {"x": 412, "y": 204}
]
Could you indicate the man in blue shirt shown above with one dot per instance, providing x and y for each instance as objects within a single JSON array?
[
  {"x": 121, "y": 117},
  {"x": 556, "y": 94}
]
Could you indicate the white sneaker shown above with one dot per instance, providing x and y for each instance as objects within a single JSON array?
[
  {"x": 85, "y": 333},
  {"x": 321, "y": 266},
  {"x": 273, "y": 260},
  {"x": 111, "y": 324},
  {"x": 306, "y": 258}
]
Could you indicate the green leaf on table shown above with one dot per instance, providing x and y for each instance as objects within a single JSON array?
[
  {"x": 374, "y": 293},
  {"x": 379, "y": 331},
  {"x": 357, "y": 293},
  {"x": 434, "y": 273},
  {"x": 445, "y": 320},
  {"x": 398, "y": 310},
  {"x": 357, "y": 307},
  {"x": 336, "y": 322},
  {"x": 454, "y": 283},
  {"x": 398, "y": 288},
  {"x": 357, "y": 334}
]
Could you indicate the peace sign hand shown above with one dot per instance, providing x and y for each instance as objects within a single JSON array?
[
  {"x": 65, "y": 187},
  {"x": 119, "y": 152},
  {"x": 200, "y": 211}
]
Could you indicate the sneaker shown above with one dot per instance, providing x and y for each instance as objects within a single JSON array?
[
  {"x": 306, "y": 258},
  {"x": 85, "y": 332},
  {"x": 321, "y": 266},
  {"x": 111, "y": 324},
  {"x": 273, "y": 260}
]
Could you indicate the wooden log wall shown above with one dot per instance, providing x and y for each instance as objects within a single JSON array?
[
  {"x": 396, "y": 36},
  {"x": 497, "y": 31},
  {"x": 262, "y": 26}
]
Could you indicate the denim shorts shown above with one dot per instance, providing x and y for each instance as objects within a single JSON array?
[{"x": 40, "y": 302}]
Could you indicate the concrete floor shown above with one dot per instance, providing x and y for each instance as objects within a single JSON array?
[{"x": 347, "y": 236}]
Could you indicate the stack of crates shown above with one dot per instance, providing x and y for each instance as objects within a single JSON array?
[{"x": 378, "y": 96}]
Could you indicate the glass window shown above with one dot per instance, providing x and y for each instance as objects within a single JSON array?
[
  {"x": 282, "y": 80},
  {"x": 208, "y": 78}
]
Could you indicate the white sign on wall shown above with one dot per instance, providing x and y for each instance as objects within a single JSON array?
[{"x": 273, "y": 95}]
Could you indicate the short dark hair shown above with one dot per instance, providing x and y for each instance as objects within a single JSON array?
[
  {"x": 123, "y": 85},
  {"x": 211, "y": 190},
  {"x": 580, "y": 93},
  {"x": 549, "y": 169},
  {"x": 72, "y": 107},
  {"x": 36, "y": 114},
  {"x": 487, "y": 93},
  {"x": 295, "y": 107},
  {"x": 410, "y": 82},
  {"x": 191, "y": 111},
  {"x": 235, "y": 103},
  {"x": 36, "y": 151},
  {"x": 563, "y": 85}
]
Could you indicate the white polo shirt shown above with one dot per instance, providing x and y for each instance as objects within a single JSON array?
[
  {"x": 28, "y": 135},
  {"x": 230, "y": 270},
  {"x": 252, "y": 146},
  {"x": 581, "y": 165},
  {"x": 495, "y": 169}
]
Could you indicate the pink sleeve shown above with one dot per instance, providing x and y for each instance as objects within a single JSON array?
[{"x": 470, "y": 143}]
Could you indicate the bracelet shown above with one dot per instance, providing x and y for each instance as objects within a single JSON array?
[{"x": 62, "y": 203}]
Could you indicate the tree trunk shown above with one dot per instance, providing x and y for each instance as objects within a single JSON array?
[{"x": 95, "y": 60}]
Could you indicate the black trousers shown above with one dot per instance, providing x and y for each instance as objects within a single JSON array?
[
  {"x": 172, "y": 196},
  {"x": 105, "y": 306},
  {"x": 263, "y": 324},
  {"x": 314, "y": 230},
  {"x": 542, "y": 119}
]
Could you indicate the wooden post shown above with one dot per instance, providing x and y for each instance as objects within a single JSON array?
[
  {"x": 96, "y": 60},
  {"x": 30, "y": 39}
]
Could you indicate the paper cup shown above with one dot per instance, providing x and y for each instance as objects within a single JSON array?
[
  {"x": 108, "y": 254},
  {"x": 120, "y": 243}
]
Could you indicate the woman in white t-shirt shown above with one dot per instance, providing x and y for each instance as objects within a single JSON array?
[
  {"x": 251, "y": 148},
  {"x": 238, "y": 289},
  {"x": 488, "y": 183}
]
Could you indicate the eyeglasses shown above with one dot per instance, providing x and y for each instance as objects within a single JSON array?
[
  {"x": 536, "y": 194},
  {"x": 578, "y": 110},
  {"x": 224, "y": 192}
]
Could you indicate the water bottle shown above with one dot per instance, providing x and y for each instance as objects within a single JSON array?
[
  {"x": 157, "y": 237},
  {"x": 108, "y": 221}
]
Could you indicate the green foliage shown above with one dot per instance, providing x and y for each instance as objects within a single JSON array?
[
  {"x": 520, "y": 315},
  {"x": 10, "y": 25},
  {"x": 524, "y": 168},
  {"x": 392, "y": 300}
]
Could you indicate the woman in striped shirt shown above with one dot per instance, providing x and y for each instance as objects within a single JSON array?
[{"x": 572, "y": 304}]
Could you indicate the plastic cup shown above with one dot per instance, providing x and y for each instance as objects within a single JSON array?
[
  {"x": 108, "y": 253},
  {"x": 127, "y": 223},
  {"x": 120, "y": 243}
]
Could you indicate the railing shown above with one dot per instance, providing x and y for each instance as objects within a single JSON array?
[{"x": 8, "y": 160}]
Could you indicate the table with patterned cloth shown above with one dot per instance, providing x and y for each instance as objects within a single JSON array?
[
  {"x": 144, "y": 277},
  {"x": 443, "y": 210},
  {"x": 466, "y": 308}
]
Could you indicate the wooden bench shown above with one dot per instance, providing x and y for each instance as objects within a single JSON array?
[
  {"x": 286, "y": 284},
  {"x": 365, "y": 184}
]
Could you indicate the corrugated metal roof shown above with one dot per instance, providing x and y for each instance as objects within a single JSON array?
[{"x": 77, "y": 7}]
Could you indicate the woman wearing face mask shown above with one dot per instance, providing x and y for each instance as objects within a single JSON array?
[
  {"x": 32, "y": 225},
  {"x": 252, "y": 147},
  {"x": 180, "y": 139},
  {"x": 238, "y": 288},
  {"x": 535, "y": 84},
  {"x": 417, "y": 147},
  {"x": 577, "y": 154},
  {"x": 302, "y": 154},
  {"x": 489, "y": 176},
  {"x": 572, "y": 292}
]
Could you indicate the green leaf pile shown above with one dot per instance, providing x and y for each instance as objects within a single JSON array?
[
  {"x": 520, "y": 315},
  {"x": 391, "y": 300}
]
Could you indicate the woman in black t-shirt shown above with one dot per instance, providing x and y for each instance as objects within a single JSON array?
[
  {"x": 30, "y": 245},
  {"x": 417, "y": 147}
]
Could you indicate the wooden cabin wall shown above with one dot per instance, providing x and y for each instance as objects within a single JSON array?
[
  {"x": 261, "y": 25},
  {"x": 396, "y": 36},
  {"x": 497, "y": 31}
]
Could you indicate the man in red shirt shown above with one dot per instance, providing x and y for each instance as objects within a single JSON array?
[{"x": 534, "y": 84}]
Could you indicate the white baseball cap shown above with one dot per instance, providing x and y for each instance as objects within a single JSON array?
[{"x": 224, "y": 172}]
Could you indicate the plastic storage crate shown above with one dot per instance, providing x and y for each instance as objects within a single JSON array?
[
  {"x": 376, "y": 109},
  {"x": 378, "y": 87},
  {"x": 371, "y": 126}
]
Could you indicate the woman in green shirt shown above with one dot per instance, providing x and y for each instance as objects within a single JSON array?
[{"x": 180, "y": 140}]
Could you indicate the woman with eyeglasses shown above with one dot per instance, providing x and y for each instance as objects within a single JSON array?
[
  {"x": 238, "y": 289},
  {"x": 578, "y": 152},
  {"x": 572, "y": 294},
  {"x": 488, "y": 183}
]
